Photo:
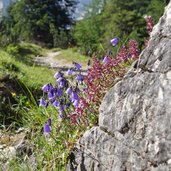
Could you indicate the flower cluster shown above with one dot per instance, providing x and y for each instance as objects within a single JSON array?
[
  {"x": 76, "y": 103},
  {"x": 64, "y": 96},
  {"x": 149, "y": 25},
  {"x": 100, "y": 77}
]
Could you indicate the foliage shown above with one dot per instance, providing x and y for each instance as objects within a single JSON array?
[
  {"x": 40, "y": 21},
  {"x": 123, "y": 19}
]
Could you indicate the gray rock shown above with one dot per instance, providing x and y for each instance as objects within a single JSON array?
[{"x": 134, "y": 131}]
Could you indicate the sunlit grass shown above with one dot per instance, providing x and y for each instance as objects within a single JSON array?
[{"x": 71, "y": 55}]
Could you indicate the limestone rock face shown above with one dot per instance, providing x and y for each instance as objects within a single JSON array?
[{"x": 134, "y": 132}]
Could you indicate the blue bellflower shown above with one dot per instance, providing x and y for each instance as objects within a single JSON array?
[
  {"x": 79, "y": 77},
  {"x": 47, "y": 129},
  {"x": 58, "y": 75},
  {"x": 47, "y": 87},
  {"x": 74, "y": 96},
  {"x": 43, "y": 102},
  {"x": 69, "y": 91},
  {"x": 49, "y": 121},
  {"x": 77, "y": 66},
  {"x": 69, "y": 72},
  {"x": 105, "y": 59},
  {"x": 114, "y": 41},
  {"x": 56, "y": 103}
]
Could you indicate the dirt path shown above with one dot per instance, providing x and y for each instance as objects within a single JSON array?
[{"x": 52, "y": 61}]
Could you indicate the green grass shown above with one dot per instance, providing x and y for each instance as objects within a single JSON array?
[
  {"x": 50, "y": 154},
  {"x": 72, "y": 55}
]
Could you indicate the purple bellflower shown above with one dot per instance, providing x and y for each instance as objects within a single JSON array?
[
  {"x": 58, "y": 75},
  {"x": 69, "y": 72},
  {"x": 56, "y": 103},
  {"x": 60, "y": 93},
  {"x": 47, "y": 87},
  {"x": 43, "y": 102},
  {"x": 74, "y": 96},
  {"x": 49, "y": 121},
  {"x": 79, "y": 77},
  {"x": 47, "y": 129},
  {"x": 105, "y": 59},
  {"x": 76, "y": 103},
  {"x": 114, "y": 41},
  {"x": 69, "y": 91},
  {"x": 77, "y": 66}
]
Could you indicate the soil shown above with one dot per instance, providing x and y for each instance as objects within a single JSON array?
[{"x": 53, "y": 62}]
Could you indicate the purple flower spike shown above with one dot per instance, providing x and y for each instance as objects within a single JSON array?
[
  {"x": 105, "y": 59},
  {"x": 79, "y": 77},
  {"x": 69, "y": 91},
  {"x": 114, "y": 41},
  {"x": 77, "y": 66},
  {"x": 49, "y": 121},
  {"x": 55, "y": 103},
  {"x": 69, "y": 72},
  {"x": 58, "y": 74},
  {"x": 43, "y": 102},
  {"x": 47, "y": 129}
]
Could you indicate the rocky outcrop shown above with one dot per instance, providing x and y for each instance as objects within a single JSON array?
[{"x": 134, "y": 132}]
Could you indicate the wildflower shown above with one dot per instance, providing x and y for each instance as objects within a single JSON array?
[
  {"x": 49, "y": 121},
  {"x": 13, "y": 94},
  {"x": 105, "y": 59},
  {"x": 79, "y": 77},
  {"x": 69, "y": 72},
  {"x": 114, "y": 41},
  {"x": 58, "y": 75},
  {"x": 74, "y": 96},
  {"x": 73, "y": 118},
  {"x": 56, "y": 103},
  {"x": 47, "y": 129},
  {"x": 69, "y": 91},
  {"x": 75, "y": 103},
  {"x": 77, "y": 66},
  {"x": 133, "y": 49},
  {"x": 47, "y": 87},
  {"x": 60, "y": 93},
  {"x": 61, "y": 111},
  {"x": 43, "y": 102},
  {"x": 109, "y": 53}
]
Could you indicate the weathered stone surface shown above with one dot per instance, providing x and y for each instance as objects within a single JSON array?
[{"x": 134, "y": 132}]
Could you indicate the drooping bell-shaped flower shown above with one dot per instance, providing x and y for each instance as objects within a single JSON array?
[
  {"x": 56, "y": 103},
  {"x": 69, "y": 72},
  {"x": 50, "y": 95},
  {"x": 79, "y": 77},
  {"x": 77, "y": 66},
  {"x": 60, "y": 93},
  {"x": 47, "y": 129},
  {"x": 74, "y": 96},
  {"x": 69, "y": 91},
  {"x": 43, "y": 103},
  {"x": 49, "y": 121},
  {"x": 76, "y": 103},
  {"x": 114, "y": 41},
  {"x": 47, "y": 87},
  {"x": 105, "y": 59},
  {"x": 58, "y": 74}
]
